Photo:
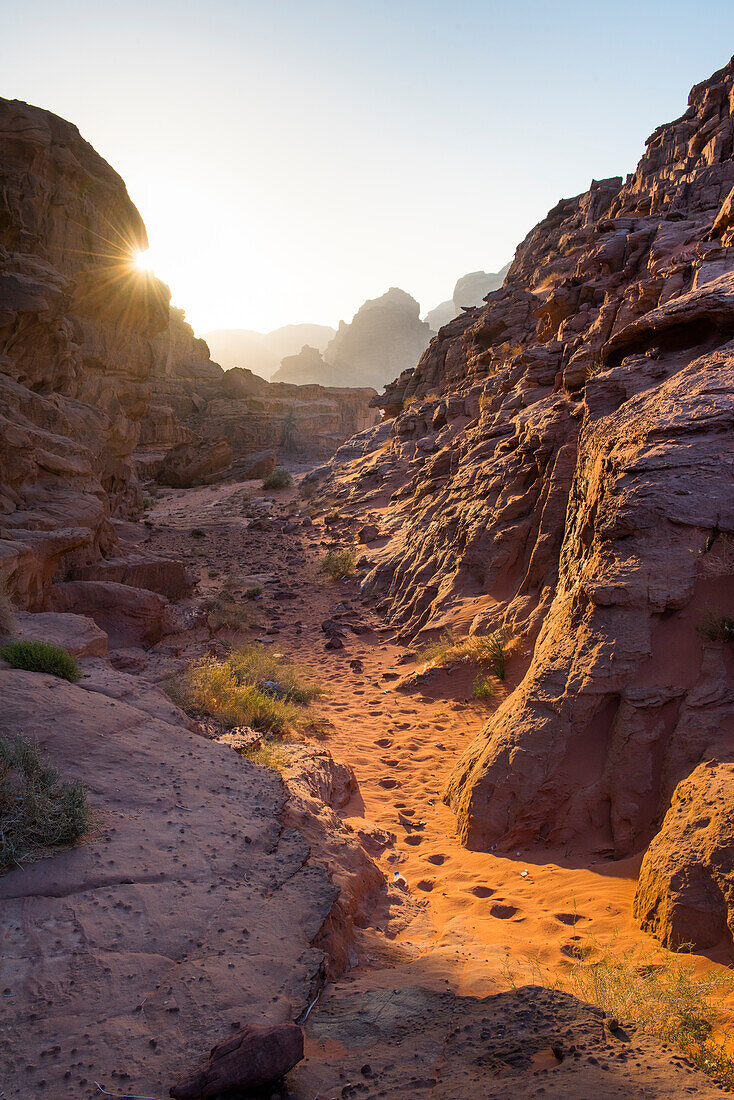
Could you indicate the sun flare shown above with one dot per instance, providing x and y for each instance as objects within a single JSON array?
[{"x": 143, "y": 261}]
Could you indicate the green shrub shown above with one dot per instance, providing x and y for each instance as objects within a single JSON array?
[
  {"x": 715, "y": 627},
  {"x": 280, "y": 478},
  {"x": 338, "y": 565},
  {"x": 253, "y": 592},
  {"x": 37, "y": 811},
  {"x": 41, "y": 657}
]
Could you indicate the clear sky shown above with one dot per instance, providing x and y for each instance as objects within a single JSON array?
[{"x": 292, "y": 158}]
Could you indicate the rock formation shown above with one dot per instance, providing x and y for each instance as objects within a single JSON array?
[
  {"x": 95, "y": 366},
  {"x": 308, "y": 368},
  {"x": 385, "y": 336},
  {"x": 470, "y": 290},
  {"x": 561, "y": 465},
  {"x": 262, "y": 352}
]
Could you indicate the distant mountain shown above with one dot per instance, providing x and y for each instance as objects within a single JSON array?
[
  {"x": 385, "y": 336},
  {"x": 262, "y": 352},
  {"x": 470, "y": 290}
]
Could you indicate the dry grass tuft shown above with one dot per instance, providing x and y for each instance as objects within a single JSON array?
[
  {"x": 251, "y": 687},
  {"x": 339, "y": 565},
  {"x": 37, "y": 811},
  {"x": 716, "y": 627},
  {"x": 490, "y": 651}
]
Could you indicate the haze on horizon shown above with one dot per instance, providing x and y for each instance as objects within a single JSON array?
[{"x": 293, "y": 159}]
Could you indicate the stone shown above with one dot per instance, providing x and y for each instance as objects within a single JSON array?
[
  {"x": 257, "y": 1056},
  {"x": 129, "y": 616},
  {"x": 368, "y": 533},
  {"x": 257, "y": 465},
  {"x": 685, "y": 891},
  {"x": 195, "y": 464},
  {"x": 76, "y": 633}
]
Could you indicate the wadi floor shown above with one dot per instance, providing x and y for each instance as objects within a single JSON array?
[{"x": 478, "y": 923}]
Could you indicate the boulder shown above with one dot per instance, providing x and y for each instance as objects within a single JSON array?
[
  {"x": 76, "y": 633},
  {"x": 130, "y": 616},
  {"x": 257, "y": 1056},
  {"x": 253, "y": 466},
  {"x": 685, "y": 892},
  {"x": 198, "y": 463},
  {"x": 368, "y": 533}
]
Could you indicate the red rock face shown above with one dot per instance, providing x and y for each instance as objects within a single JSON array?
[
  {"x": 562, "y": 460},
  {"x": 95, "y": 368}
]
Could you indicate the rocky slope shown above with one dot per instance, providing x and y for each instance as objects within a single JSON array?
[
  {"x": 93, "y": 365},
  {"x": 560, "y": 467},
  {"x": 385, "y": 336}
]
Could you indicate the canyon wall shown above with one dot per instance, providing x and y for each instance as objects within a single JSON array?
[
  {"x": 96, "y": 372},
  {"x": 560, "y": 466}
]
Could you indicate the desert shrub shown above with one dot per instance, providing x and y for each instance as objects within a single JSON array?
[
  {"x": 7, "y": 620},
  {"x": 308, "y": 490},
  {"x": 253, "y": 592},
  {"x": 250, "y": 687},
  {"x": 37, "y": 810},
  {"x": 280, "y": 478},
  {"x": 489, "y": 650},
  {"x": 483, "y": 688},
  {"x": 226, "y": 613},
  {"x": 41, "y": 657},
  {"x": 666, "y": 998},
  {"x": 339, "y": 564},
  {"x": 197, "y": 533},
  {"x": 716, "y": 627}
]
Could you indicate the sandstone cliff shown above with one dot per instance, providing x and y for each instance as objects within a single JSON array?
[
  {"x": 94, "y": 366},
  {"x": 561, "y": 467},
  {"x": 470, "y": 290}
]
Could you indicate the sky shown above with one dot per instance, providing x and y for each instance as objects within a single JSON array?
[{"x": 292, "y": 158}]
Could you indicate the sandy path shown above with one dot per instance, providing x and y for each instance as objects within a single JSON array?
[{"x": 488, "y": 919}]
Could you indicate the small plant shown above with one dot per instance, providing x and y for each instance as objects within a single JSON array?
[
  {"x": 308, "y": 490},
  {"x": 490, "y": 649},
  {"x": 197, "y": 533},
  {"x": 338, "y": 565},
  {"x": 7, "y": 619},
  {"x": 666, "y": 998},
  {"x": 280, "y": 478},
  {"x": 212, "y": 573},
  {"x": 253, "y": 592},
  {"x": 333, "y": 517},
  {"x": 483, "y": 688},
  {"x": 37, "y": 811},
  {"x": 715, "y": 627},
  {"x": 41, "y": 657}
]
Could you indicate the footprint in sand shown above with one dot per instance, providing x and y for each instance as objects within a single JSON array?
[
  {"x": 569, "y": 918},
  {"x": 437, "y": 859},
  {"x": 426, "y": 884},
  {"x": 413, "y": 840},
  {"x": 384, "y": 743},
  {"x": 483, "y": 892},
  {"x": 388, "y": 783},
  {"x": 389, "y": 761},
  {"x": 503, "y": 912}
]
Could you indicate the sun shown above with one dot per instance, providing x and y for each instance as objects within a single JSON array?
[{"x": 143, "y": 261}]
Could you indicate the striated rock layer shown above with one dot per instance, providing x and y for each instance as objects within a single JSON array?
[
  {"x": 562, "y": 462},
  {"x": 94, "y": 365}
]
